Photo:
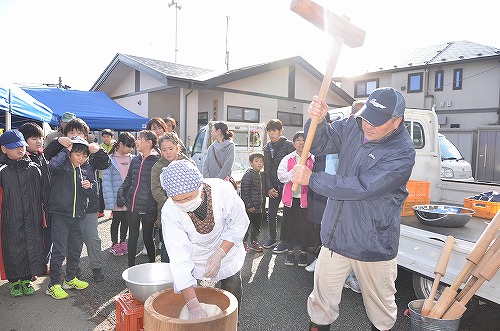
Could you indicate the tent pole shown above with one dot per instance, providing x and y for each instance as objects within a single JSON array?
[{"x": 8, "y": 119}]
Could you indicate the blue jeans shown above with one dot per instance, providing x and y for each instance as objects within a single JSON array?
[{"x": 67, "y": 242}]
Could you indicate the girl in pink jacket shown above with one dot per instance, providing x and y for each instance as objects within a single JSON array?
[{"x": 294, "y": 227}]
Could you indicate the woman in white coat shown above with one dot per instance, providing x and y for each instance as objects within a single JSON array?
[{"x": 206, "y": 222}]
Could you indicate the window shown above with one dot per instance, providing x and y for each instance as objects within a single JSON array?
[
  {"x": 418, "y": 134},
  {"x": 241, "y": 138},
  {"x": 202, "y": 119},
  {"x": 291, "y": 119},
  {"x": 438, "y": 83},
  {"x": 240, "y": 114},
  {"x": 364, "y": 87},
  {"x": 415, "y": 82},
  {"x": 457, "y": 78}
]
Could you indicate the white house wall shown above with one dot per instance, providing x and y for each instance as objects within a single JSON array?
[
  {"x": 126, "y": 85},
  {"x": 162, "y": 103},
  {"x": 307, "y": 86},
  {"x": 131, "y": 103},
  {"x": 273, "y": 82}
]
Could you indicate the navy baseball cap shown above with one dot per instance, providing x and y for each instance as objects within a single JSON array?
[
  {"x": 12, "y": 139},
  {"x": 382, "y": 104}
]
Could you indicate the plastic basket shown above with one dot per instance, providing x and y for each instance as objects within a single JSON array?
[
  {"x": 418, "y": 194},
  {"x": 129, "y": 313},
  {"x": 483, "y": 209},
  {"x": 418, "y": 189}
]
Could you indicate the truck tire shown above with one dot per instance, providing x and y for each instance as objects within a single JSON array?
[{"x": 422, "y": 287}]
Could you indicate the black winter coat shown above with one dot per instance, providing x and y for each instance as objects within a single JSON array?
[
  {"x": 282, "y": 147},
  {"x": 135, "y": 191},
  {"x": 98, "y": 161},
  {"x": 24, "y": 191},
  {"x": 67, "y": 196},
  {"x": 253, "y": 190}
]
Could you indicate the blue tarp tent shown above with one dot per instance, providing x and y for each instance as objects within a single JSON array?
[
  {"x": 23, "y": 107},
  {"x": 95, "y": 108}
]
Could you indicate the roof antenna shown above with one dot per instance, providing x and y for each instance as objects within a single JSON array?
[{"x": 227, "y": 51}]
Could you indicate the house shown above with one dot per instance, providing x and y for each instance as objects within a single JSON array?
[
  {"x": 461, "y": 82},
  {"x": 152, "y": 88}
]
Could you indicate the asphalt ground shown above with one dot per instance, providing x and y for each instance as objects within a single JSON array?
[{"x": 274, "y": 299}]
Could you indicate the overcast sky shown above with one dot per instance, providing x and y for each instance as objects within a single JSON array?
[{"x": 44, "y": 40}]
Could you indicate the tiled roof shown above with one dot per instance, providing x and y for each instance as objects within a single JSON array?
[
  {"x": 443, "y": 53},
  {"x": 169, "y": 68}
]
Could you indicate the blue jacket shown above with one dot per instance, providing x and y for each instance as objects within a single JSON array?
[
  {"x": 362, "y": 216},
  {"x": 111, "y": 182}
]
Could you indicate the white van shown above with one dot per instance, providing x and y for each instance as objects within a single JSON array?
[
  {"x": 248, "y": 138},
  {"x": 453, "y": 164}
]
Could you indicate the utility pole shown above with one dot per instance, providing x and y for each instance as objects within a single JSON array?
[
  {"x": 227, "y": 51},
  {"x": 177, "y": 8}
]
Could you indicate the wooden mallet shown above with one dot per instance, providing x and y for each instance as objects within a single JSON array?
[
  {"x": 439, "y": 272},
  {"x": 448, "y": 296},
  {"x": 343, "y": 32},
  {"x": 495, "y": 246},
  {"x": 486, "y": 273}
]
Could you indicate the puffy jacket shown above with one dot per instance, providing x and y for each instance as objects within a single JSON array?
[
  {"x": 67, "y": 196},
  {"x": 253, "y": 190},
  {"x": 362, "y": 216},
  {"x": 285, "y": 176},
  {"x": 135, "y": 192},
  {"x": 158, "y": 193},
  {"x": 98, "y": 161},
  {"x": 111, "y": 182},
  {"x": 281, "y": 148},
  {"x": 23, "y": 191}
]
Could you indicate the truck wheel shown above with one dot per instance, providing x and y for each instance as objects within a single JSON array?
[{"x": 422, "y": 287}]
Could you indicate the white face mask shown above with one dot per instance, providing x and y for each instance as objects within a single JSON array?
[{"x": 190, "y": 205}]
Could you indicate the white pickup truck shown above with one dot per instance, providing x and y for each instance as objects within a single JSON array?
[{"x": 420, "y": 245}]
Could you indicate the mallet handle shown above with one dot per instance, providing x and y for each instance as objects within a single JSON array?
[
  {"x": 482, "y": 244},
  {"x": 323, "y": 92}
]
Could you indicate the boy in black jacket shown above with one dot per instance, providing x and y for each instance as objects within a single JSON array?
[
  {"x": 73, "y": 182},
  {"x": 253, "y": 194},
  {"x": 22, "y": 190},
  {"x": 276, "y": 149},
  {"x": 33, "y": 134},
  {"x": 98, "y": 160}
]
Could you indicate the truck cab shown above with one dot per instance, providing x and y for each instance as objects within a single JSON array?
[{"x": 248, "y": 138}]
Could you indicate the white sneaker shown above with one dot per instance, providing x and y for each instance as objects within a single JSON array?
[
  {"x": 312, "y": 266},
  {"x": 352, "y": 283},
  {"x": 144, "y": 251}
]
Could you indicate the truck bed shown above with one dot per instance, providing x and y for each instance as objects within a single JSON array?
[
  {"x": 420, "y": 247},
  {"x": 470, "y": 232}
]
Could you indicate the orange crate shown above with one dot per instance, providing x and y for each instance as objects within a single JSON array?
[
  {"x": 410, "y": 202},
  {"x": 418, "y": 189},
  {"x": 418, "y": 194},
  {"x": 483, "y": 209},
  {"x": 129, "y": 313}
]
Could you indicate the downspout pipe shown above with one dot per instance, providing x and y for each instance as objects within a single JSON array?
[
  {"x": 426, "y": 88},
  {"x": 185, "y": 111}
]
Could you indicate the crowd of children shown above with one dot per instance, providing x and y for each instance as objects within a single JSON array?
[{"x": 66, "y": 187}]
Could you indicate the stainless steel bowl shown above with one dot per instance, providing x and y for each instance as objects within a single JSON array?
[
  {"x": 145, "y": 279},
  {"x": 443, "y": 216}
]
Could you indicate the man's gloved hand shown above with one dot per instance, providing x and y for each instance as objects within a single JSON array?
[
  {"x": 195, "y": 309},
  {"x": 213, "y": 263}
]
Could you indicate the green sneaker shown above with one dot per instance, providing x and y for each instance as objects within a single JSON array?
[
  {"x": 56, "y": 292},
  {"x": 75, "y": 283},
  {"x": 27, "y": 288},
  {"x": 15, "y": 289}
]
